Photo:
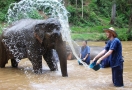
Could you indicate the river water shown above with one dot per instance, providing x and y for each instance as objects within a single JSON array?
[{"x": 80, "y": 77}]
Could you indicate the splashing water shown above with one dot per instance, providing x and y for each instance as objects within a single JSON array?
[{"x": 52, "y": 8}]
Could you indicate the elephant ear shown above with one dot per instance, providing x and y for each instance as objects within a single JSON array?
[{"x": 39, "y": 32}]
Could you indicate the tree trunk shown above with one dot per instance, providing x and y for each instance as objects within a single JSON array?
[
  {"x": 76, "y": 7},
  {"x": 82, "y": 8},
  {"x": 113, "y": 13}
]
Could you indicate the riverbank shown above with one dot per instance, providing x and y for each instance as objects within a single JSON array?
[{"x": 96, "y": 33}]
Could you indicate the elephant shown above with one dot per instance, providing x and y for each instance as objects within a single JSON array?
[
  {"x": 94, "y": 50},
  {"x": 32, "y": 39}
]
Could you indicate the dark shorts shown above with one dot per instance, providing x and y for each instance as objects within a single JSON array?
[{"x": 117, "y": 76}]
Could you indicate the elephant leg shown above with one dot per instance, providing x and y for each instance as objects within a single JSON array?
[
  {"x": 14, "y": 63},
  {"x": 36, "y": 61},
  {"x": 48, "y": 56},
  {"x": 61, "y": 50},
  {"x": 2, "y": 66},
  {"x": 3, "y": 54}
]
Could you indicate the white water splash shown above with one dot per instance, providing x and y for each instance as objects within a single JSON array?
[{"x": 52, "y": 8}]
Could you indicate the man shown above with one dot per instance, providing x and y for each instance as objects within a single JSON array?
[
  {"x": 113, "y": 48},
  {"x": 85, "y": 53}
]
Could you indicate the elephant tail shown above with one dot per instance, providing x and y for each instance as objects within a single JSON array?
[{"x": 3, "y": 54}]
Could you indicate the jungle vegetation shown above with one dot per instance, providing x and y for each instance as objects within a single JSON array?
[{"x": 88, "y": 18}]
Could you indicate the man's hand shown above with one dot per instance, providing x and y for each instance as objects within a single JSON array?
[
  {"x": 83, "y": 59},
  {"x": 98, "y": 61},
  {"x": 93, "y": 60}
]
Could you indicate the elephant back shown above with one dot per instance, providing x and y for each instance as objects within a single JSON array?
[
  {"x": 3, "y": 54},
  {"x": 20, "y": 26}
]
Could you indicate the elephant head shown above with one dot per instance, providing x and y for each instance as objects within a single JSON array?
[
  {"x": 48, "y": 33},
  {"x": 49, "y": 36}
]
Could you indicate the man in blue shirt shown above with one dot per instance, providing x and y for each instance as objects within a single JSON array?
[
  {"x": 85, "y": 53},
  {"x": 114, "y": 49}
]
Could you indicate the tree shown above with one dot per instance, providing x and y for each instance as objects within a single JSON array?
[
  {"x": 82, "y": 8},
  {"x": 113, "y": 13},
  {"x": 76, "y": 4}
]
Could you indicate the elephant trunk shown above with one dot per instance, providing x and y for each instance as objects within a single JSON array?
[
  {"x": 61, "y": 50},
  {"x": 56, "y": 34}
]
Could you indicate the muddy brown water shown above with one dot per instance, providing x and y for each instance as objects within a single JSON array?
[{"x": 80, "y": 77}]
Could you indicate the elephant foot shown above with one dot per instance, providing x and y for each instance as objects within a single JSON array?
[
  {"x": 38, "y": 71},
  {"x": 14, "y": 63},
  {"x": 53, "y": 69},
  {"x": 65, "y": 75}
]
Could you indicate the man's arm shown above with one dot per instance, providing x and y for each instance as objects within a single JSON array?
[
  {"x": 104, "y": 56},
  {"x": 99, "y": 55},
  {"x": 85, "y": 57}
]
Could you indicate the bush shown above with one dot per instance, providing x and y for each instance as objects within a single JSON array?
[
  {"x": 122, "y": 35},
  {"x": 35, "y": 15},
  {"x": 2, "y": 26},
  {"x": 102, "y": 37},
  {"x": 89, "y": 17},
  {"x": 2, "y": 17},
  {"x": 4, "y": 4},
  {"x": 0, "y": 29},
  {"x": 121, "y": 21}
]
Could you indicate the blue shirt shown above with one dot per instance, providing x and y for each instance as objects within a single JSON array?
[
  {"x": 116, "y": 56},
  {"x": 85, "y": 51}
]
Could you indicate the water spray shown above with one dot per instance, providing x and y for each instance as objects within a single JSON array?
[{"x": 51, "y": 8}]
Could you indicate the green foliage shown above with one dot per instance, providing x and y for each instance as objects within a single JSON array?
[
  {"x": 35, "y": 15},
  {"x": 96, "y": 9},
  {"x": 97, "y": 29},
  {"x": 129, "y": 36},
  {"x": 96, "y": 17},
  {"x": 102, "y": 8},
  {"x": 121, "y": 21},
  {"x": 0, "y": 29},
  {"x": 4, "y": 4},
  {"x": 102, "y": 37},
  {"x": 2, "y": 16},
  {"x": 89, "y": 36},
  {"x": 89, "y": 17},
  {"x": 96, "y": 33},
  {"x": 122, "y": 35}
]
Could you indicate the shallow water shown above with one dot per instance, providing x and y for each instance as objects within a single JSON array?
[{"x": 80, "y": 78}]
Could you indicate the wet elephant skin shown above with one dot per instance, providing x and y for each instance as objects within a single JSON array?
[{"x": 32, "y": 39}]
